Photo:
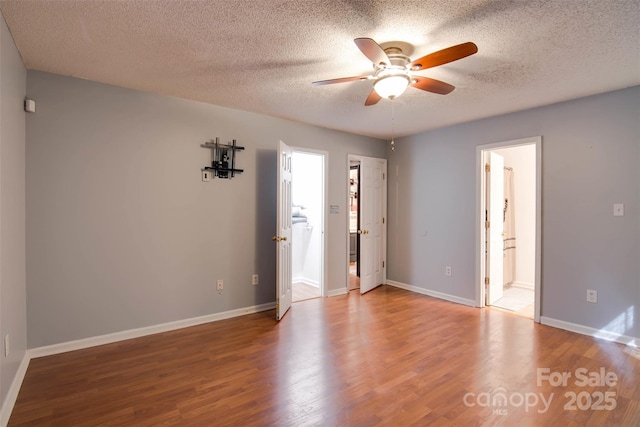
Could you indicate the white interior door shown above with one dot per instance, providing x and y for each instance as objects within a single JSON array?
[
  {"x": 283, "y": 232},
  {"x": 372, "y": 228},
  {"x": 495, "y": 229}
]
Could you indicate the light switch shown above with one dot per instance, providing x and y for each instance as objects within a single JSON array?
[{"x": 618, "y": 209}]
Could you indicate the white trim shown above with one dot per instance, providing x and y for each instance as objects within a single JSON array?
[
  {"x": 555, "y": 323},
  {"x": 435, "y": 294},
  {"x": 523, "y": 285},
  {"x": 14, "y": 389},
  {"x": 141, "y": 332},
  {"x": 592, "y": 332},
  {"x": 537, "y": 311},
  {"x": 480, "y": 207},
  {"x": 336, "y": 292},
  {"x": 306, "y": 281}
]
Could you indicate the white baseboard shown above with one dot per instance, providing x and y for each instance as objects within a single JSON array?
[
  {"x": 561, "y": 324},
  {"x": 431, "y": 293},
  {"x": 14, "y": 389},
  {"x": 141, "y": 332},
  {"x": 336, "y": 292},
  {"x": 523, "y": 285},
  {"x": 592, "y": 332},
  {"x": 305, "y": 281}
]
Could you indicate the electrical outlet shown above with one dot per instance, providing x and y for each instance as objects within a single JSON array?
[
  {"x": 447, "y": 271},
  {"x": 206, "y": 176},
  {"x": 618, "y": 209},
  {"x": 220, "y": 285},
  {"x": 254, "y": 279},
  {"x": 592, "y": 296}
]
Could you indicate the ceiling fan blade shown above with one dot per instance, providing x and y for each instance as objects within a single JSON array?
[
  {"x": 431, "y": 85},
  {"x": 372, "y": 99},
  {"x": 444, "y": 56},
  {"x": 372, "y": 50},
  {"x": 340, "y": 80}
]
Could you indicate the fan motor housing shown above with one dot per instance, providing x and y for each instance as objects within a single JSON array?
[{"x": 396, "y": 57}]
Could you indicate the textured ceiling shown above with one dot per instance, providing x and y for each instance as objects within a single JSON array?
[{"x": 262, "y": 55}]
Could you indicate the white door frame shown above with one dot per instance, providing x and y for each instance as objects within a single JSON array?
[
  {"x": 325, "y": 172},
  {"x": 359, "y": 158},
  {"x": 480, "y": 209}
]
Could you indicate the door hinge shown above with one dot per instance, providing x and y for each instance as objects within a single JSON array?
[
  {"x": 487, "y": 167},
  {"x": 486, "y": 280},
  {"x": 382, "y": 264},
  {"x": 383, "y": 176},
  {"x": 383, "y": 220},
  {"x": 487, "y": 224}
]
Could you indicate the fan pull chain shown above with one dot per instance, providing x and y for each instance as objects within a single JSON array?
[{"x": 393, "y": 142}]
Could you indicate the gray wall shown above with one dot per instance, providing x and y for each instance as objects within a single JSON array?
[
  {"x": 13, "y": 317},
  {"x": 122, "y": 233},
  {"x": 591, "y": 160}
]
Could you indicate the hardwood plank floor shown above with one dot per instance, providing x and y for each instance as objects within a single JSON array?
[
  {"x": 390, "y": 357},
  {"x": 303, "y": 291},
  {"x": 354, "y": 279}
]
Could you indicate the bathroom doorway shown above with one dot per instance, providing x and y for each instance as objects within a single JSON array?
[
  {"x": 509, "y": 232},
  {"x": 308, "y": 224}
]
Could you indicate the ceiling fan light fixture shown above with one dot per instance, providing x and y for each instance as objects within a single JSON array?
[
  {"x": 393, "y": 69},
  {"x": 391, "y": 86}
]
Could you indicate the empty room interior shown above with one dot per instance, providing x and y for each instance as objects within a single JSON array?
[{"x": 320, "y": 213}]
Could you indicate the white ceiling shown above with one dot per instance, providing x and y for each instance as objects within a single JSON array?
[{"x": 262, "y": 55}]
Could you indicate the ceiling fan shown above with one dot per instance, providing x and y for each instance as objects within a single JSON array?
[{"x": 394, "y": 71}]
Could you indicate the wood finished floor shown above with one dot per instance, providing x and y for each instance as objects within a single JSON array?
[
  {"x": 354, "y": 279},
  {"x": 389, "y": 357},
  {"x": 303, "y": 291}
]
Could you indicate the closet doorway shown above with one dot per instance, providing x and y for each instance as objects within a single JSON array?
[
  {"x": 354, "y": 225},
  {"x": 367, "y": 209},
  {"x": 308, "y": 224},
  {"x": 509, "y": 224}
]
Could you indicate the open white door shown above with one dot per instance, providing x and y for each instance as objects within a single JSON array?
[
  {"x": 495, "y": 227},
  {"x": 283, "y": 232},
  {"x": 372, "y": 212}
]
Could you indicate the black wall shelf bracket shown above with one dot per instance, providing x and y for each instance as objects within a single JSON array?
[{"x": 223, "y": 158}]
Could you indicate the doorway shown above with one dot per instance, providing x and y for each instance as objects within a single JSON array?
[
  {"x": 367, "y": 232},
  {"x": 354, "y": 225},
  {"x": 307, "y": 224},
  {"x": 509, "y": 218}
]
